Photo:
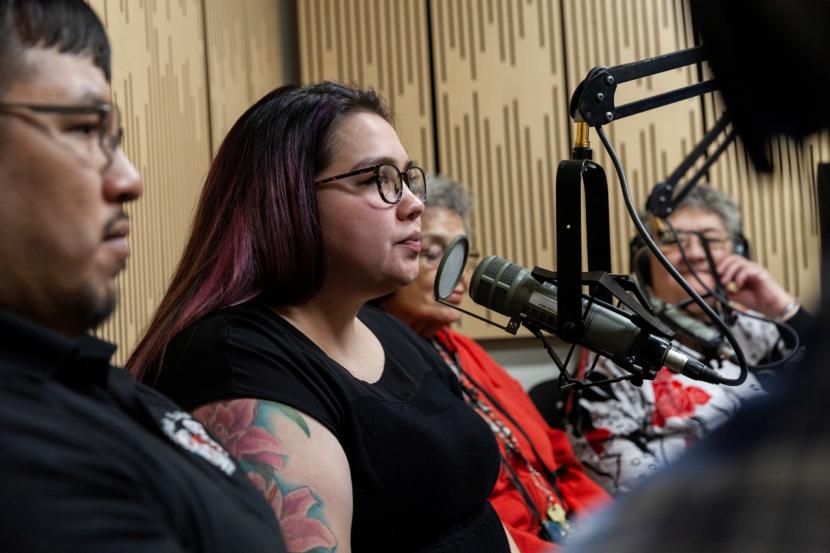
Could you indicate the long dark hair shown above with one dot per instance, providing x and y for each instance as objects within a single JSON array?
[{"x": 256, "y": 232}]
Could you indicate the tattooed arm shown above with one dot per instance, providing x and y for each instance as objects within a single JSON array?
[{"x": 298, "y": 465}]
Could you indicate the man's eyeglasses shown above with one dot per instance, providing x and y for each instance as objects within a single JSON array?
[
  {"x": 390, "y": 181},
  {"x": 96, "y": 130},
  {"x": 713, "y": 240},
  {"x": 431, "y": 254}
]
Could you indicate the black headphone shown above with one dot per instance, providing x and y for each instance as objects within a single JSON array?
[{"x": 638, "y": 255}]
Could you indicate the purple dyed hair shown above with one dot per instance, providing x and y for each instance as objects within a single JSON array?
[{"x": 256, "y": 233}]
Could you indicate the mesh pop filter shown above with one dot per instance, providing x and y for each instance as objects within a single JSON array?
[{"x": 451, "y": 267}]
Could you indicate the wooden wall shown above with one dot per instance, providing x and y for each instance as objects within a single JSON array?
[
  {"x": 183, "y": 71},
  {"x": 480, "y": 90},
  {"x": 380, "y": 43}
]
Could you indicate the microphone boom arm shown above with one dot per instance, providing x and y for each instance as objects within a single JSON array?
[{"x": 593, "y": 99}]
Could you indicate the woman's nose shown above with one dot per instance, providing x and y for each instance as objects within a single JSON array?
[
  {"x": 410, "y": 206},
  {"x": 695, "y": 248}
]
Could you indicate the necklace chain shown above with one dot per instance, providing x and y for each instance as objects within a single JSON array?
[{"x": 554, "y": 510}]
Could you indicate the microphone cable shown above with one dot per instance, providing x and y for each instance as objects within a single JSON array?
[
  {"x": 781, "y": 326},
  {"x": 710, "y": 313}
]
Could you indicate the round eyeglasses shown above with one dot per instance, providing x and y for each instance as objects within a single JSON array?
[
  {"x": 390, "y": 181},
  {"x": 95, "y": 131}
]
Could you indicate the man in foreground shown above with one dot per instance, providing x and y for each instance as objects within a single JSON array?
[{"x": 89, "y": 460}]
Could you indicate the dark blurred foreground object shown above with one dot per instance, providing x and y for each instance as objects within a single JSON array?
[
  {"x": 771, "y": 59},
  {"x": 760, "y": 483}
]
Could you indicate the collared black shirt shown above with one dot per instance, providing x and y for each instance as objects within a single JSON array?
[{"x": 92, "y": 461}]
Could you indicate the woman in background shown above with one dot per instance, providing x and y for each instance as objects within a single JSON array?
[
  {"x": 624, "y": 433},
  {"x": 347, "y": 422},
  {"x": 542, "y": 485}
]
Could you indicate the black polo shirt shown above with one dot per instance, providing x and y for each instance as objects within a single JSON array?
[{"x": 92, "y": 461}]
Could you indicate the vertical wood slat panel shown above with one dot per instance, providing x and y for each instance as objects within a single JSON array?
[
  {"x": 182, "y": 73},
  {"x": 243, "y": 57},
  {"x": 514, "y": 100},
  {"x": 267, "y": 20},
  {"x": 779, "y": 210},
  {"x": 228, "y": 65},
  {"x": 502, "y": 123},
  {"x": 389, "y": 54},
  {"x": 159, "y": 82}
]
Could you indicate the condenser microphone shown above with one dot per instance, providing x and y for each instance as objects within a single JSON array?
[{"x": 511, "y": 290}]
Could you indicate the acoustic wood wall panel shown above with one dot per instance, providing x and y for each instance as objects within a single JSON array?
[
  {"x": 501, "y": 97},
  {"x": 244, "y": 58},
  {"x": 779, "y": 210},
  {"x": 228, "y": 61},
  {"x": 651, "y": 144},
  {"x": 374, "y": 43},
  {"x": 159, "y": 83},
  {"x": 502, "y": 74},
  {"x": 161, "y": 62}
]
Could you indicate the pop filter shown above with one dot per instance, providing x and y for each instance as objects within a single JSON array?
[{"x": 451, "y": 267}]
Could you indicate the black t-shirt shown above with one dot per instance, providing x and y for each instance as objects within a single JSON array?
[
  {"x": 422, "y": 462},
  {"x": 92, "y": 461}
]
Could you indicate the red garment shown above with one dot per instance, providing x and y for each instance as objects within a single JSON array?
[{"x": 578, "y": 491}]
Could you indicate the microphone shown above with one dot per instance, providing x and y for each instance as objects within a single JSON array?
[
  {"x": 695, "y": 333},
  {"x": 511, "y": 290}
]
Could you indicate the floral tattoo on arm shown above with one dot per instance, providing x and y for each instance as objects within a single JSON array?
[{"x": 245, "y": 429}]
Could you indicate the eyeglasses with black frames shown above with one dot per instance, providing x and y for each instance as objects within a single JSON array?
[
  {"x": 390, "y": 181},
  {"x": 96, "y": 129}
]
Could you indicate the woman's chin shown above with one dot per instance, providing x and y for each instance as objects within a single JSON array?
[
  {"x": 405, "y": 277},
  {"x": 451, "y": 316},
  {"x": 442, "y": 317}
]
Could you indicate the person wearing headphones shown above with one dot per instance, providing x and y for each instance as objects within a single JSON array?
[{"x": 623, "y": 433}]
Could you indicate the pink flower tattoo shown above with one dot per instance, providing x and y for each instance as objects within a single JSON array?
[
  {"x": 300, "y": 531},
  {"x": 231, "y": 422}
]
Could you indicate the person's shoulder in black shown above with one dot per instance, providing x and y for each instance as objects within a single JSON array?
[
  {"x": 408, "y": 434},
  {"x": 249, "y": 351},
  {"x": 92, "y": 461}
]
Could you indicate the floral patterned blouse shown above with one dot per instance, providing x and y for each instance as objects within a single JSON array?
[{"x": 623, "y": 433}]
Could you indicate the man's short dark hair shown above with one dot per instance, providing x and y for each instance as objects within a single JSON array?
[{"x": 70, "y": 26}]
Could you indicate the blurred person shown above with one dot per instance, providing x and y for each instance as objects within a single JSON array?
[
  {"x": 350, "y": 425},
  {"x": 541, "y": 487},
  {"x": 89, "y": 460},
  {"x": 623, "y": 433},
  {"x": 759, "y": 483}
]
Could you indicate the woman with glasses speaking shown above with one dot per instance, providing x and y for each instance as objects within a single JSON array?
[{"x": 350, "y": 425}]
